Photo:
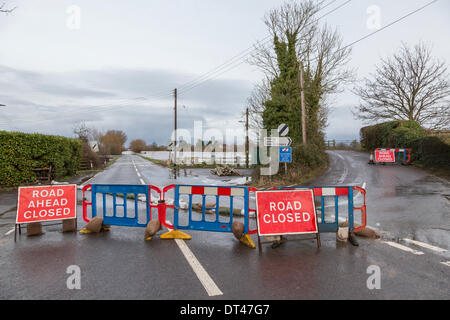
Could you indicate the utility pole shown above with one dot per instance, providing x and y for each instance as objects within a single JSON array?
[
  {"x": 302, "y": 97},
  {"x": 246, "y": 138},
  {"x": 175, "y": 128}
]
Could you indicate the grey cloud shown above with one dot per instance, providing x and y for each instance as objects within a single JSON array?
[
  {"x": 55, "y": 102},
  {"x": 56, "y": 84}
]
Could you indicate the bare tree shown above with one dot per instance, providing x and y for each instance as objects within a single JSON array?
[
  {"x": 138, "y": 145},
  {"x": 410, "y": 85},
  {"x": 260, "y": 94},
  {"x": 319, "y": 48},
  {"x": 82, "y": 131},
  {"x": 4, "y": 10},
  {"x": 114, "y": 141}
]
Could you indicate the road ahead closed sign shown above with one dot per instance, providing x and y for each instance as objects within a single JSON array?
[
  {"x": 46, "y": 203},
  {"x": 285, "y": 212},
  {"x": 384, "y": 156}
]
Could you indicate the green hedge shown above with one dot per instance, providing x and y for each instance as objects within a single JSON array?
[
  {"x": 430, "y": 151},
  {"x": 21, "y": 152},
  {"x": 391, "y": 134}
]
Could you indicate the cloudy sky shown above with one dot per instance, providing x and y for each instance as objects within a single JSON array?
[{"x": 116, "y": 66}]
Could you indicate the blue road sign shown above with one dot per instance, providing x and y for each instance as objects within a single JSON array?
[{"x": 286, "y": 154}]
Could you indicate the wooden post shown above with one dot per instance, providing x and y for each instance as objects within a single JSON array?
[
  {"x": 302, "y": 97},
  {"x": 175, "y": 134},
  {"x": 246, "y": 139}
]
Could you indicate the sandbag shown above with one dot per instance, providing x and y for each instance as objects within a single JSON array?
[
  {"x": 95, "y": 225},
  {"x": 342, "y": 234},
  {"x": 366, "y": 232},
  {"x": 152, "y": 228},
  {"x": 237, "y": 228}
]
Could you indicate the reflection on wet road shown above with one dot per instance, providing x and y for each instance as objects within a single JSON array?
[{"x": 409, "y": 206}]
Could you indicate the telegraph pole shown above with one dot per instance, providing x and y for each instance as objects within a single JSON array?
[
  {"x": 246, "y": 138},
  {"x": 175, "y": 128},
  {"x": 302, "y": 96}
]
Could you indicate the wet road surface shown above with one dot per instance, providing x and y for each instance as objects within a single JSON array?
[{"x": 403, "y": 203}]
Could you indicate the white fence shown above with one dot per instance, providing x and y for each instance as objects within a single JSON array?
[{"x": 231, "y": 158}]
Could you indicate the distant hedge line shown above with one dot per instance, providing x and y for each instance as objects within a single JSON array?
[
  {"x": 428, "y": 150},
  {"x": 21, "y": 152}
]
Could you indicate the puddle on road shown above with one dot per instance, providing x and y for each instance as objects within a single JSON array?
[{"x": 428, "y": 185}]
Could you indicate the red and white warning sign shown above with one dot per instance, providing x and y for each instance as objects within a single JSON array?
[
  {"x": 285, "y": 212},
  {"x": 384, "y": 155},
  {"x": 46, "y": 203}
]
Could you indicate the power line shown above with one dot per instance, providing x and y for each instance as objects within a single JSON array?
[
  {"x": 343, "y": 48},
  {"x": 390, "y": 24},
  {"x": 228, "y": 66},
  {"x": 189, "y": 85},
  {"x": 242, "y": 55}
]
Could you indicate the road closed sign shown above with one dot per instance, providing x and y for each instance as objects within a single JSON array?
[
  {"x": 384, "y": 155},
  {"x": 46, "y": 203},
  {"x": 285, "y": 212}
]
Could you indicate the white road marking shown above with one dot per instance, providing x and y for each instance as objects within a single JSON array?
[
  {"x": 208, "y": 283},
  {"x": 211, "y": 288},
  {"x": 139, "y": 175},
  {"x": 344, "y": 175},
  {"x": 9, "y": 232},
  {"x": 447, "y": 263},
  {"x": 402, "y": 247},
  {"x": 340, "y": 156},
  {"x": 425, "y": 245}
]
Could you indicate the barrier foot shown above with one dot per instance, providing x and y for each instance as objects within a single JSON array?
[
  {"x": 175, "y": 234},
  {"x": 245, "y": 239},
  {"x": 352, "y": 239},
  {"x": 85, "y": 231}
]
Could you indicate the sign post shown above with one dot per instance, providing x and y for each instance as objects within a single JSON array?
[
  {"x": 286, "y": 212},
  {"x": 94, "y": 146},
  {"x": 46, "y": 203},
  {"x": 277, "y": 141},
  {"x": 283, "y": 129},
  {"x": 285, "y": 156},
  {"x": 385, "y": 156}
]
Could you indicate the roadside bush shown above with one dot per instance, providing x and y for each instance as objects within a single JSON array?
[
  {"x": 308, "y": 156},
  {"x": 90, "y": 155},
  {"x": 391, "y": 134},
  {"x": 21, "y": 152},
  {"x": 431, "y": 151}
]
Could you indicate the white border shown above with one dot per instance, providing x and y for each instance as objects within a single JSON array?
[
  {"x": 278, "y": 234},
  {"x": 53, "y": 185}
]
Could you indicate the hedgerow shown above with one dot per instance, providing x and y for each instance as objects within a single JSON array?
[{"x": 20, "y": 153}]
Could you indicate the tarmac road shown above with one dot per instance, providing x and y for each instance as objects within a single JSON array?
[{"x": 403, "y": 203}]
